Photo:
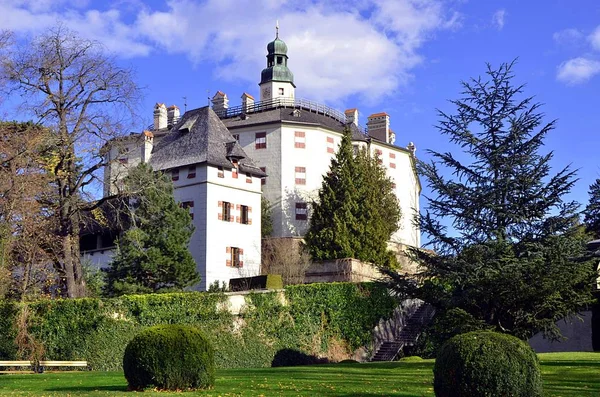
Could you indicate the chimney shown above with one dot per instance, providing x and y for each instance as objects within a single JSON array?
[
  {"x": 220, "y": 103},
  {"x": 352, "y": 116},
  {"x": 247, "y": 102},
  {"x": 160, "y": 116},
  {"x": 172, "y": 115},
  {"x": 378, "y": 127},
  {"x": 148, "y": 145}
]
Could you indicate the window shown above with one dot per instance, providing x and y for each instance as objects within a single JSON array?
[
  {"x": 220, "y": 172},
  {"x": 248, "y": 178},
  {"x": 123, "y": 160},
  {"x": 260, "y": 140},
  {"x": 300, "y": 175},
  {"x": 189, "y": 205},
  {"x": 175, "y": 174},
  {"x": 191, "y": 172},
  {"x": 393, "y": 185},
  {"x": 281, "y": 91},
  {"x": 234, "y": 257},
  {"x": 378, "y": 154},
  {"x": 263, "y": 180},
  {"x": 236, "y": 137},
  {"x": 279, "y": 61},
  {"x": 301, "y": 212},
  {"x": 225, "y": 214},
  {"x": 299, "y": 139},
  {"x": 355, "y": 149},
  {"x": 392, "y": 165},
  {"x": 244, "y": 218},
  {"x": 330, "y": 145}
]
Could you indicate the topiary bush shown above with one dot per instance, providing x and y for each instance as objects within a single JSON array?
[
  {"x": 169, "y": 357},
  {"x": 485, "y": 363}
]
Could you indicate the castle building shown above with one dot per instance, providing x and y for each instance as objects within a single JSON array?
[{"x": 221, "y": 159}]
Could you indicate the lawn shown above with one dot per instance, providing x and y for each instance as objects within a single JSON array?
[{"x": 564, "y": 374}]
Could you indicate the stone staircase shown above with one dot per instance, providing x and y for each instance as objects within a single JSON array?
[{"x": 408, "y": 335}]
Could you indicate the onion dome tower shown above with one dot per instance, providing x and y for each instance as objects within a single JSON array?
[{"x": 276, "y": 80}]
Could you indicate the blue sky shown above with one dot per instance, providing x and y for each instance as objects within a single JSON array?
[{"x": 404, "y": 57}]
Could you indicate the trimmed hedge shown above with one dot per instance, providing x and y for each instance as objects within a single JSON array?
[
  {"x": 169, "y": 357},
  {"x": 486, "y": 364},
  {"x": 315, "y": 319}
]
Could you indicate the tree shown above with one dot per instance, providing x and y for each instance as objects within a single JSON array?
[
  {"x": 592, "y": 210},
  {"x": 26, "y": 198},
  {"x": 356, "y": 212},
  {"x": 508, "y": 247},
  {"x": 71, "y": 86},
  {"x": 152, "y": 255},
  {"x": 266, "y": 218}
]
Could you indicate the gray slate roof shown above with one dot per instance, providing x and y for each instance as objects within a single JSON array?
[
  {"x": 287, "y": 115},
  {"x": 200, "y": 137}
]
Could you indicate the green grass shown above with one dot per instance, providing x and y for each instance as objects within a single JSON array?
[{"x": 564, "y": 374}]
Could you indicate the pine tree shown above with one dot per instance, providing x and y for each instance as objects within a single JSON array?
[
  {"x": 592, "y": 210},
  {"x": 152, "y": 255},
  {"x": 506, "y": 242},
  {"x": 356, "y": 212}
]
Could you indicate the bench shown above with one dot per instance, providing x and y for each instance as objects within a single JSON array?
[{"x": 41, "y": 365}]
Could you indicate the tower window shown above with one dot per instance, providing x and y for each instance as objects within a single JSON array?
[
  {"x": 301, "y": 212},
  {"x": 279, "y": 60},
  {"x": 300, "y": 175},
  {"x": 281, "y": 91},
  {"x": 260, "y": 140}
]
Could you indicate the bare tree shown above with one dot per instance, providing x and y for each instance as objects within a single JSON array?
[
  {"x": 72, "y": 86},
  {"x": 287, "y": 257}
]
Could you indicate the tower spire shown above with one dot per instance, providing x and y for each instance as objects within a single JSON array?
[{"x": 277, "y": 29}]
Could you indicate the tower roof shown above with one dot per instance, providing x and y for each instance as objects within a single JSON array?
[
  {"x": 277, "y": 47},
  {"x": 277, "y": 69}
]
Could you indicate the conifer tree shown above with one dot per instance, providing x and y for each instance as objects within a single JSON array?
[
  {"x": 506, "y": 241},
  {"x": 356, "y": 212},
  {"x": 152, "y": 255},
  {"x": 592, "y": 210}
]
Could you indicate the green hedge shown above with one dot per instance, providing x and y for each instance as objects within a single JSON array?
[
  {"x": 97, "y": 330},
  {"x": 169, "y": 357},
  {"x": 485, "y": 363}
]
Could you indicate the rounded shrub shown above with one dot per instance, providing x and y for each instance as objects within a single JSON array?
[
  {"x": 169, "y": 357},
  {"x": 485, "y": 363}
]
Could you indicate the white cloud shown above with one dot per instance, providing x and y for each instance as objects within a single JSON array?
[
  {"x": 498, "y": 19},
  {"x": 337, "y": 48},
  {"x": 568, "y": 36},
  {"x": 33, "y": 16},
  {"x": 578, "y": 70},
  {"x": 595, "y": 39}
]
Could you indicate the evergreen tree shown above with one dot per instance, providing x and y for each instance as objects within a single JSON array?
[
  {"x": 592, "y": 210},
  {"x": 266, "y": 218},
  {"x": 356, "y": 212},
  {"x": 152, "y": 255},
  {"x": 506, "y": 242}
]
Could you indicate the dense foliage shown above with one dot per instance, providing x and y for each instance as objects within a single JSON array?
[
  {"x": 327, "y": 320},
  {"x": 486, "y": 364},
  {"x": 356, "y": 212},
  {"x": 169, "y": 357},
  {"x": 153, "y": 254},
  {"x": 508, "y": 250}
]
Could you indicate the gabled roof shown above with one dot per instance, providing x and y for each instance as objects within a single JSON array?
[{"x": 200, "y": 137}]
